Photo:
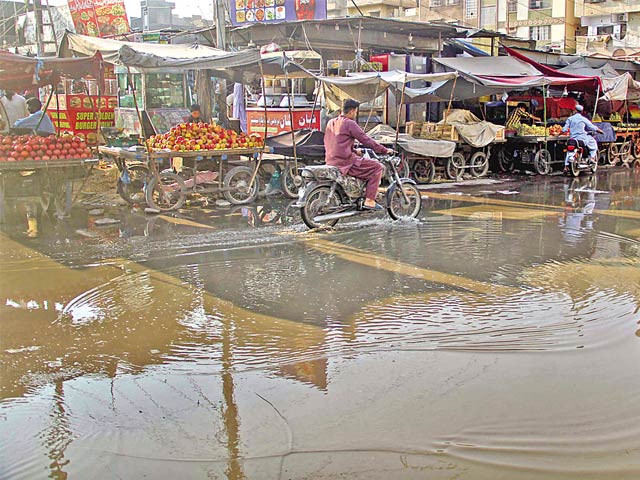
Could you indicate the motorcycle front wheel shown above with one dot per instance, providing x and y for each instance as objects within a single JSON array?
[
  {"x": 319, "y": 201},
  {"x": 398, "y": 207}
]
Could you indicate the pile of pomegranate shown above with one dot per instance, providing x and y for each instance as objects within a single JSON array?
[
  {"x": 191, "y": 137},
  {"x": 16, "y": 148}
]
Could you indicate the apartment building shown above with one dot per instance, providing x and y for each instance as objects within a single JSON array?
[
  {"x": 372, "y": 8},
  {"x": 552, "y": 23},
  {"x": 608, "y": 26}
]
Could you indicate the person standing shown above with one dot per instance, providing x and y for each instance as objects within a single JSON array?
[{"x": 15, "y": 105}]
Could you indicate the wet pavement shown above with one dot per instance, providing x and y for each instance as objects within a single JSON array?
[{"x": 497, "y": 337}]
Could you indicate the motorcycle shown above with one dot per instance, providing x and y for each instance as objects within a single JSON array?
[
  {"x": 578, "y": 158},
  {"x": 327, "y": 196}
]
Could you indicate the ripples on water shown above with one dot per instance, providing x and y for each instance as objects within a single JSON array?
[{"x": 152, "y": 364}]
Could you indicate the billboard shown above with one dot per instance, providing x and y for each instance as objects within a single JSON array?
[
  {"x": 245, "y": 12},
  {"x": 99, "y": 18}
]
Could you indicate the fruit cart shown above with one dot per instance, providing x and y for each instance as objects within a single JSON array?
[
  {"x": 184, "y": 169},
  {"x": 532, "y": 146},
  {"x": 42, "y": 170}
]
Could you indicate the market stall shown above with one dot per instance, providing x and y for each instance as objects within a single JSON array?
[
  {"x": 41, "y": 169},
  {"x": 153, "y": 93}
]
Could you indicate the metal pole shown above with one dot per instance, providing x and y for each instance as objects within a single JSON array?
[
  {"x": 221, "y": 43},
  {"x": 293, "y": 133},
  {"x": 404, "y": 86}
]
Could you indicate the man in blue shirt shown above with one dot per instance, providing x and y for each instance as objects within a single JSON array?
[
  {"x": 579, "y": 127},
  {"x": 31, "y": 122}
]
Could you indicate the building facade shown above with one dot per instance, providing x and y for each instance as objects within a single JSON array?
[
  {"x": 551, "y": 23},
  {"x": 608, "y": 26}
]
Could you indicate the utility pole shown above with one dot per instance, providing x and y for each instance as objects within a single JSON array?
[
  {"x": 221, "y": 37},
  {"x": 37, "y": 11}
]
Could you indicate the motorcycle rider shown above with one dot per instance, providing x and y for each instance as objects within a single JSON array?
[
  {"x": 579, "y": 126},
  {"x": 339, "y": 138}
]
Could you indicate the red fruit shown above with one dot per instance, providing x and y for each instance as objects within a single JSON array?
[
  {"x": 46, "y": 158},
  {"x": 57, "y": 152},
  {"x": 37, "y": 159},
  {"x": 11, "y": 159},
  {"x": 25, "y": 153}
]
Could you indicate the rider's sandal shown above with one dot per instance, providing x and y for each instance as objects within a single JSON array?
[{"x": 375, "y": 208}]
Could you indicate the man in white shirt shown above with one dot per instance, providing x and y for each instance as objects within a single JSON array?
[
  {"x": 15, "y": 105},
  {"x": 31, "y": 122}
]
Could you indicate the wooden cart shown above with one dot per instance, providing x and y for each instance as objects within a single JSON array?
[
  {"x": 48, "y": 185},
  {"x": 185, "y": 173},
  {"x": 538, "y": 152}
]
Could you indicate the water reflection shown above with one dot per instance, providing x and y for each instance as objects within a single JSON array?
[{"x": 482, "y": 338}]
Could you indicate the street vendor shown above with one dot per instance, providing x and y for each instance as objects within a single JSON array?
[
  {"x": 579, "y": 127},
  {"x": 196, "y": 114},
  {"x": 33, "y": 121},
  {"x": 518, "y": 115},
  {"x": 339, "y": 140},
  {"x": 15, "y": 106}
]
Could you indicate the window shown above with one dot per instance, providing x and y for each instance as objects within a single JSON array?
[
  {"x": 435, "y": 3},
  {"x": 540, "y": 33},
  {"x": 453, "y": 2},
  {"x": 512, "y": 6},
  {"x": 488, "y": 17},
  {"x": 538, "y": 4},
  {"x": 471, "y": 9}
]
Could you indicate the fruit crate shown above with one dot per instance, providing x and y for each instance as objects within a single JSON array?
[
  {"x": 441, "y": 132},
  {"x": 414, "y": 128}
]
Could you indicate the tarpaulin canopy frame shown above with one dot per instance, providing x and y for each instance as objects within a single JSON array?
[{"x": 18, "y": 72}]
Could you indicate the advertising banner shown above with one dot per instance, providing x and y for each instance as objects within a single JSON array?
[
  {"x": 278, "y": 121},
  {"x": 273, "y": 11},
  {"x": 99, "y": 18},
  {"x": 79, "y": 114}
]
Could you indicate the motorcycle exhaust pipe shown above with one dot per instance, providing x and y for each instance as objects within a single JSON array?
[{"x": 334, "y": 216}]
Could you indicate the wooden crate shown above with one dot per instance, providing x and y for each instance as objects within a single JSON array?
[
  {"x": 500, "y": 134},
  {"x": 442, "y": 132},
  {"x": 414, "y": 128}
]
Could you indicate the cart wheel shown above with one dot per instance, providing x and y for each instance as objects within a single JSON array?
[
  {"x": 403, "y": 167},
  {"x": 291, "y": 182},
  {"x": 542, "y": 161},
  {"x": 424, "y": 170},
  {"x": 603, "y": 156},
  {"x": 479, "y": 164},
  {"x": 131, "y": 185},
  {"x": 236, "y": 184},
  {"x": 166, "y": 191},
  {"x": 614, "y": 153},
  {"x": 506, "y": 160},
  {"x": 455, "y": 166},
  {"x": 625, "y": 153}
]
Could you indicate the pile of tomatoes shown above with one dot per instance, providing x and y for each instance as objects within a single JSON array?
[{"x": 16, "y": 148}]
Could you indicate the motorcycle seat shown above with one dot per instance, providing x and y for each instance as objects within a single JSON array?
[{"x": 324, "y": 172}]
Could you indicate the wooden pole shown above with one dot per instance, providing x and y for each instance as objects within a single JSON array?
[{"x": 404, "y": 86}]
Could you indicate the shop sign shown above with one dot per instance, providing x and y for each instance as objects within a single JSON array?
[
  {"x": 272, "y": 11},
  {"x": 99, "y": 18},
  {"x": 79, "y": 114},
  {"x": 279, "y": 121}
]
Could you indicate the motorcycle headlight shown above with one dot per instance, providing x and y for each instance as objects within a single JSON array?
[{"x": 306, "y": 174}]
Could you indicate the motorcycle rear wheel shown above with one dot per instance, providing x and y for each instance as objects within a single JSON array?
[
  {"x": 319, "y": 201},
  {"x": 575, "y": 170}
]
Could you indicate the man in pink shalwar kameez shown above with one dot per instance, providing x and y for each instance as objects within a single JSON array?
[{"x": 339, "y": 139}]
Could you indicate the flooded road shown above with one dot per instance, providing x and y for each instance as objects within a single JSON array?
[{"x": 496, "y": 338}]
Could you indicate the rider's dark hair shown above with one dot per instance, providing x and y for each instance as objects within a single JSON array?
[
  {"x": 349, "y": 104},
  {"x": 9, "y": 94}
]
